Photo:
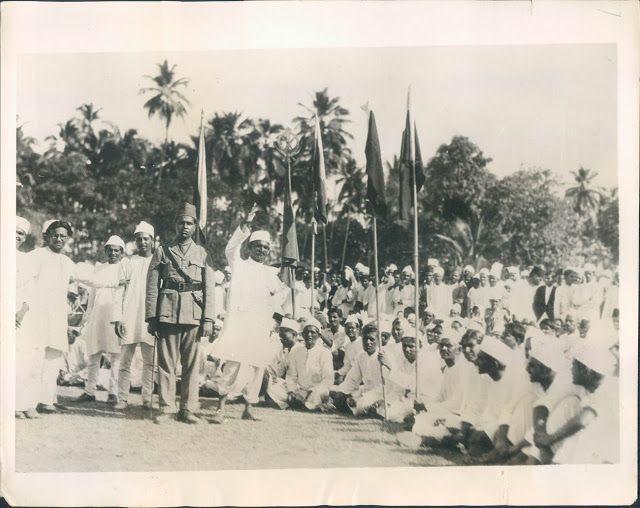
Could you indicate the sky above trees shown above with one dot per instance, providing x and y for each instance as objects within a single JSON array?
[{"x": 545, "y": 106}]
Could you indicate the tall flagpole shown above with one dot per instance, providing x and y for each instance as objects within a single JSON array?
[
  {"x": 416, "y": 307},
  {"x": 375, "y": 263},
  {"x": 292, "y": 271},
  {"x": 312, "y": 305}
]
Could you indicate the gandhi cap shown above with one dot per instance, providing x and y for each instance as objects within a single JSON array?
[{"x": 23, "y": 224}]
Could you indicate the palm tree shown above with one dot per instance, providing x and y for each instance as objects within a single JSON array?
[
  {"x": 586, "y": 200},
  {"x": 466, "y": 237},
  {"x": 167, "y": 100}
]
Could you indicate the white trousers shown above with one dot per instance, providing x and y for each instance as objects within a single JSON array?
[
  {"x": 124, "y": 374},
  {"x": 277, "y": 390},
  {"x": 94, "y": 370},
  {"x": 28, "y": 376},
  {"x": 53, "y": 362},
  {"x": 241, "y": 378}
]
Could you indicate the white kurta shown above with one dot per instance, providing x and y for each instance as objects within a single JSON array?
[
  {"x": 403, "y": 297},
  {"x": 99, "y": 332},
  {"x": 49, "y": 274},
  {"x": 344, "y": 298},
  {"x": 309, "y": 369},
  {"x": 131, "y": 312},
  {"x": 255, "y": 293},
  {"x": 351, "y": 351}
]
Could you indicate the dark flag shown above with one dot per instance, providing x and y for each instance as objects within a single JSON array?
[
  {"x": 376, "y": 203},
  {"x": 290, "y": 256},
  {"x": 319, "y": 178},
  {"x": 410, "y": 157}
]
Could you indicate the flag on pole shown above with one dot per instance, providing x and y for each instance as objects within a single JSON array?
[
  {"x": 290, "y": 256},
  {"x": 410, "y": 158},
  {"x": 376, "y": 203},
  {"x": 201, "y": 189},
  {"x": 319, "y": 178}
]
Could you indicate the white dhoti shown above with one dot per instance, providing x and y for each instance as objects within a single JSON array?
[
  {"x": 277, "y": 392},
  {"x": 241, "y": 378},
  {"x": 53, "y": 362},
  {"x": 94, "y": 372},
  {"x": 29, "y": 360},
  {"x": 436, "y": 422},
  {"x": 128, "y": 366}
]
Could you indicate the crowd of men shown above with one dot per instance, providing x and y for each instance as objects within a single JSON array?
[{"x": 500, "y": 364}]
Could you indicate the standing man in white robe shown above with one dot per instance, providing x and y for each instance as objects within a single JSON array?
[
  {"x": 28, "y": 351},
  {"x": 255, "y": 292},
  {"x": 99, "y": 333},
  {"x": 439, "y": 296},
  {"x": 130, "y": 325}
]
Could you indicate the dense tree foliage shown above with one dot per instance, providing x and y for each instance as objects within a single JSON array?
[{"x": 105, "y": 181}]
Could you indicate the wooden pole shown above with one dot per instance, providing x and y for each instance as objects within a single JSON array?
[
  {"x": 292, "y": 270},
  {"x": 415, "y": 268},
  {"x": 312, "y": 304},
  {"x": 344, "y": 245},
  {"x": 375, "y": 262}
]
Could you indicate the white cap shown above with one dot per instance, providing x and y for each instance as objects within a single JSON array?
[
  {"x": 352, "y": 318},
  {"x": 23, "y": 224},
  {"x": 497, "y": 349},
  {"x": 496, "y": 270},
  {"x": 392, "y": 268},
  {"x": 311, "y": 321},
  {"x": 589, "y": 267},
  {"x": 513, "y": 270},
  {"x": 116, "y": 241},
  {"x": 596, "y": 357},
  {"x": 548, "y": 351},
  {"x": 469, "y": 269},
  {"x": 484, "y": 271},
  {"x": 348, "y": 274},
  {"x": 291, "y": 324},
  {"x": 408, "y": 270},
  {"x": 364, "y": 270},
  {"x": 525, "y": 273},
  {"x": 260, "y": 236},
  {"x": 439, "y": 270},
  {"x": 385, "y": 324},
  {"x": 359, "y": 267},
  {"x": 433, "y": 262},
  {"x": 218, "y": 322},
  {"x": 144, "y": 227},
  {"x": 218, "y": 277}
]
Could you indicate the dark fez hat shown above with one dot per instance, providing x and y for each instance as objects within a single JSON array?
[{"x": 187, "y": 209}]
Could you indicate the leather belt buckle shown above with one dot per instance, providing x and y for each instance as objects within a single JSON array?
[{"x": 182, "y": 287}]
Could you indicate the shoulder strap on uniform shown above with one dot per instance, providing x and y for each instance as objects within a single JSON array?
[{"x": 176, "y": 266}]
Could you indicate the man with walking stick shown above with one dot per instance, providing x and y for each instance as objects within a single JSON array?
[{"x": 179, "y": 311}]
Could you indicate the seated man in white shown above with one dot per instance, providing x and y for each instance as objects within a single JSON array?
[
  {"x": 361, "y": 390},
  {"x": 279, "y": 366},
  {"x": 310, "y": 370}
]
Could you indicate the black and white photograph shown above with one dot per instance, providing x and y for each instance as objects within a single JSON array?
[{"x": 288, "y": 258}]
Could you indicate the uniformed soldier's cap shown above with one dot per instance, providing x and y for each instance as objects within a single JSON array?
[{"x": 188, "y": 210}]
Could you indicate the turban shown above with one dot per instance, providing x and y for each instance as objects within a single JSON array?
[
  {"x": 291, "y": 324},
  {"x": 469, "y": 269},
  {"x": 115, "y": 241},
  {"x": 496, "y": 270},
  {"x": 260, "y": 236},
  {"x": 392, "y": 268},
  {"x": 144, "y": 227},
  {"x": 218, "y": 277},
  {"x": 408, "y": 270},
  {"x": 23, "y": 224},
  {"x": 484, "y": 271},
  {"x": 433, "y": 262},
  {"x": 364, "y": 270},
  {"x": 513, "y": 270},
  {"x": 187, "y": 210},
  {"x": 359, "y": 267},
  {"x": 497, "y": 349},
  {"x": 438, "y": 270}
]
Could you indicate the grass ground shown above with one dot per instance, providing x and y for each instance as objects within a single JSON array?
[{"x": 93, "y": 437}]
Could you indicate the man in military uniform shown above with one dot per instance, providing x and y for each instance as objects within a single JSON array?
[{"x": 179, "y": 311}]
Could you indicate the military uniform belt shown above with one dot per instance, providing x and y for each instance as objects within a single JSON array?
[{"x": 182, "y": 286}]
